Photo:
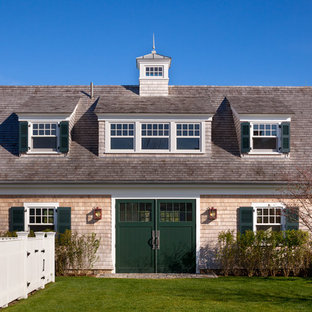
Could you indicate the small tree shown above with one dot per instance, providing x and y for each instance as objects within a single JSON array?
[{"x": 299, "y": 197}]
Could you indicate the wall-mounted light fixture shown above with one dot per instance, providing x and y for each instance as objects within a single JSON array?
[
  {"x": 97, "y": 213},
  {"x": 212, "y": 213}
]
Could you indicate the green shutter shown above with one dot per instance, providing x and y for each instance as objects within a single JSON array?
[
  {"x": 285, "y": 137},
  {"x": 23, "y": 136},
  {"x": 245, "y": 137},
  {"x": 63, "y": 219},
  {"x": 16, "y": 219},
  {"x": 292, "y": 218},
  {"x": 64, "y": 135},
  {"x": 245, "y": 219}
]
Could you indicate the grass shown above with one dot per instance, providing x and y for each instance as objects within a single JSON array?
[{"x": 84, "y": 294}]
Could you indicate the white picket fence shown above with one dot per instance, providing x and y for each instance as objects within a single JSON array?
[{"x": 26, "y": 264}]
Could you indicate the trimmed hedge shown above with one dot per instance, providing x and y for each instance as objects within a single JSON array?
[{"x": 265, "y": 253}]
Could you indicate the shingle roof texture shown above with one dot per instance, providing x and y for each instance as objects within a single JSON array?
[
  {"x": 48, "y": 104},
  {"x": 259, "y": 105},
  {"x": 223, "y": 164},
  {"x": 154, "y": 105}
]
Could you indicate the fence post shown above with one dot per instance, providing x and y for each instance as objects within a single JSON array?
[
  {"x": 23, "y": 236},
  {"x": 40, "y": 238},
  {"x": 51, "y": 255}
]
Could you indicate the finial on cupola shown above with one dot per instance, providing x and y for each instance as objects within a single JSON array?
[{"x": 153, "y": 51}]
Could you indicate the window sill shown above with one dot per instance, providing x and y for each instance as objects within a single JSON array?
[
  {"x": 266, "y": 154},
  {"x": 152, "y": 152},
  {"x": 33, "y": 153}
]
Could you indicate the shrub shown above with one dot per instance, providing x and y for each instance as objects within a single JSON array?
[
  {"x": 227, "y": 252},
  {"x": 75, "y": 252},
  {"x": 265, "y": 253}
]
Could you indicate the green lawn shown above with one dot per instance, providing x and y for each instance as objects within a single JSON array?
[{"x": 82, "y": 294}]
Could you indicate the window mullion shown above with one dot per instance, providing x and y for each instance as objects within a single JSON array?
[
  {"x": 138, "y": 136},
  {"x": 172, "y": 137}
]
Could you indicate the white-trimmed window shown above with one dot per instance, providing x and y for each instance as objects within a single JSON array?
[
  {"x": 122, "y": 136},
  {"x": 156, "y": 136},
  {"x": 154, "y": 71},
  {"x": 44, "y": 136},
  {"x": 40, "y": 216},
  {"x": 188, "y": 136},
  {"x": 269, "y": 217},
  {"x": 265, "y": 137}
]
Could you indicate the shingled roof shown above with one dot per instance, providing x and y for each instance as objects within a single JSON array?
[
  {"x": 154, "y": 105},
  {"x": 222, "y": 165},
  {"x": 49, "y": 104},
  {"x": 259, "y": 105}
]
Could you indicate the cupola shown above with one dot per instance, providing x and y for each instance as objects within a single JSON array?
[{"x": 154, "y": 73}]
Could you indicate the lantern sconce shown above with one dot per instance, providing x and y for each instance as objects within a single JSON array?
[
  {"x": 97, "y": 213},
  {"x": 212, "y": 214}
]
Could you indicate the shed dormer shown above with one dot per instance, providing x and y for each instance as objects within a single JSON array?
[{"x": 154, "y": 74}]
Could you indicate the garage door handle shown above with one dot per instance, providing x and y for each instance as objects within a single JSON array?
[
  {"x": 158, "y": 239},
  {"x": 153, "y": 240}
]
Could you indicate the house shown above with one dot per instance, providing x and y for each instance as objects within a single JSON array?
[{"x": 167, "y": 167}]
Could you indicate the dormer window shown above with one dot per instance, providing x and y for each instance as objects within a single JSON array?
[
  {"x": 45, "y": 123},
  {"x": 122, "y": 136},
  {"x": 44, "y": 136},
  {"x": 156, "y": 71},
  {"x": 265, "y": 137},
  {"x": 188, "y": 136},
  {"x": 157, "y": 136}
]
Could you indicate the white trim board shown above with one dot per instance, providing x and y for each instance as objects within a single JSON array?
[{"x": 145, "y": 190}]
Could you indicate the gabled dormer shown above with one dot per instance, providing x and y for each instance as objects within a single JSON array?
[{"x": 154, "y": 73}]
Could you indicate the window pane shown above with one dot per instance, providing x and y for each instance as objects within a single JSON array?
[
  {"x": 155, "y": 143},
  {"x": 44, "y": 142},
  {"x": 188, "y": 144},
  {"x": 264, "y": 143},
  {"x": 274, "y": 228},
  {"x": 121, "y": 143},
  {"x": 175, "y": 212}
]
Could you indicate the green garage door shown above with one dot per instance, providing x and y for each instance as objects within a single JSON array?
[{"x": 155, "y": 236}]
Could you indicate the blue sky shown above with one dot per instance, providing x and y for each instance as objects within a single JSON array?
[{"x": 52, "y": 42}]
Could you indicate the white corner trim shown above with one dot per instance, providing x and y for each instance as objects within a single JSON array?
[{"x": 197, "y": 225}]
